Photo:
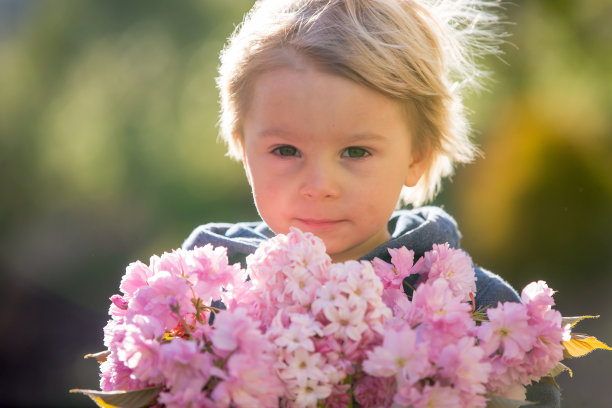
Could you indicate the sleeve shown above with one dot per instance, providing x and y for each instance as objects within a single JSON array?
[
  {"x": 544, "y": 394},
  {"x": 491, "y": 289}
]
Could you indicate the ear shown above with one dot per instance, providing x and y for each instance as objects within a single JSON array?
[{"x": 416, "y": 169}]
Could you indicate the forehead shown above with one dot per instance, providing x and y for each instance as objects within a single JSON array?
[{"x": 306, "y": 99}]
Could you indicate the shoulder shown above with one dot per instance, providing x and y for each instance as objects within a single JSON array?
[
  {"x": 433, "y": 219},
  {"x": 491, "y": 289},
  {"x": 417, "y": 229},
  {"x": 240, "y": 239}
]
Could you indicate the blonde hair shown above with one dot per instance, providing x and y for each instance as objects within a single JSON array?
[{"x": 422, "y": 53}]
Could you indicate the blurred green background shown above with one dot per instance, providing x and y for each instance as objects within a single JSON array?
[{"x": 108, "y": 154}]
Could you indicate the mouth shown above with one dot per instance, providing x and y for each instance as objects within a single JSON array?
[{"x": 318, "y": 224}]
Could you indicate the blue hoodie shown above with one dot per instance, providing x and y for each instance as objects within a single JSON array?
[{"x": 416, "y": 229}]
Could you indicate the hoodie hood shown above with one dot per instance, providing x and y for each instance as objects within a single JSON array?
[{"x": 416, "y": 229}]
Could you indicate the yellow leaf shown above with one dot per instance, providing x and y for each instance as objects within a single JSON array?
[
  {"x": 122, "y": 399},
  {"x": 559, "y": 368},
  {"x": 101, "y": 403},
  {"x": 573, "y": 320},
  {"x": 101, "y": 356},
  {"x": 582, "y": 344},
  {"x": 501, "y": 402}
]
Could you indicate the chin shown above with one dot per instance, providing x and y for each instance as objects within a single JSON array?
[
  {"x": 342, "y": 255},
  {"x": 331, "y": 251}
]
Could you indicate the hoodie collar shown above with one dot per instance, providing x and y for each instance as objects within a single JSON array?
[{"x": 418, "y": 230}]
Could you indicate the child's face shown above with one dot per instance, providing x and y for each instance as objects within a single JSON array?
[{"x": 327, "y": 155}]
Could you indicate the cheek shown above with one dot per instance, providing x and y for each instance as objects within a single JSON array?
[
  {"x": 272, "y": 204},
  {"x": 262, "y": 191},
  {"x": 380, "y": 184},
  {"x": 380, "y": 200},
  {"x": 269, "y": 192}
]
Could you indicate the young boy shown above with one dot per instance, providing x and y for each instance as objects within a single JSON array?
[{"x": 340, "y": 109}]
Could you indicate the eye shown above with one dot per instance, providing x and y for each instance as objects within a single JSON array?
[
  {"x": 286, "y": 151},
  {"x": 355, "y": 152}
]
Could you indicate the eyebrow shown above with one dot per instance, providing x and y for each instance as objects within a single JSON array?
[
  {"x": 356, "y": 137},
  {"x": 273, "y": 132},
  {"x": 365, "y": 136}
]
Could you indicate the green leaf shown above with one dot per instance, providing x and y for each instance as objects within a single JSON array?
[
  {"x": 122, "y": 399},
  {"x": 495, "y": 401}
]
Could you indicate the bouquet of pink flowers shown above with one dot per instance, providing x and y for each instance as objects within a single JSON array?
[{"x": 302, "y": 331}]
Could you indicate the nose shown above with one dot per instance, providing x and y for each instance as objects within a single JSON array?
[{"x": 319, "y": 180}]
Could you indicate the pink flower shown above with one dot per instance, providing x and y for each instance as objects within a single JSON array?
[
  {"x": 346, "y": 319},
  {"x": 395, "y": 299},
  {"x": 400, "y": 267},
  {"x": 301, "y": 365},
  {"x": 464, "y": 364},
  {"x": 549, "y": 333},
  {"x": 400, "y": 354},
  {"x": 339, "y": 397},
  {"x": 303, "y": 331},
  {"x": 357, "y": 280},
  {"x": 386, "y": 272},
  {"x": 373, "y": 392},
  {"x": 299, "y": 334},
  {"x": 234, "y": 330},
  {"x": 434, "y": 303},
  {"x": 284, "y": 271},
  {"x": 436, "y": 395},
  {"x": 114, "y": 375},
  {"x": 171, "y": 262},
  {"x": 118, "y": 307},
  {"x": 165, "y": 292},
  {"x": 183, "y": 366},
  {"x": 148, "y": 327},
  {"x": 140, "y": 348},
  {"x": 509, "y": 329},
  {"x": 308, "y": 394},
  {"x": 325, "y": 296},
  {"x": 142, "y": 357},
  {"x": 296, "y": 249},
  {"x": 538, "y": 297},
  {"x": 337, "y": 353},
  {"x": 136, "y": 276},
  {"x": 184, "y": 398},
  {"x": 403, "y": 262},
  {"x": 300, "y": 284},
  {"x": 208, "y": 270},
  {"x": 249, "y": 383},
  {"x": 401, "y": 306},
  {"x": 453, "y": 265},
  {"x": 114, "y": 333}
]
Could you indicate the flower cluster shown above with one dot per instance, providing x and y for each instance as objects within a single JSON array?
[
  {"x": 440, "y": 353},
  {"x": 159, "y": 335},
  {"x": 523, "y": 340},
  {"x": 302, "y": 331},
  {"x": 320, "y": 316}
]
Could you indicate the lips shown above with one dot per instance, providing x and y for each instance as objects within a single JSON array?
[{"x": 318, "y": 223}]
